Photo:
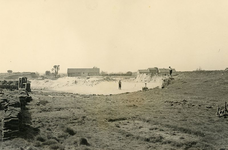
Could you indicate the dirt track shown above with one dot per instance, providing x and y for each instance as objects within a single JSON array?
[{"x": 181, "y": 116}]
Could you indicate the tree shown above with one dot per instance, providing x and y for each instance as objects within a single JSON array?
[
  {"x": 47, "y": 73},
  {"x": 9, "y": 71},
  {"x": 103, "y": 73},
  {"x": 56, "y": 69},
  {"x": 129, "y": 73}
]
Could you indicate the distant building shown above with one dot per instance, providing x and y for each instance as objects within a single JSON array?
[
  {"x": 165, "y": 71},
  {"x": 47, "y": 73},
  {"x": 73, "y": 72},
  {"x": 144, "y": 71},
  {"x": 153, "y": 71},
  {"x": 149, "y": 71}
]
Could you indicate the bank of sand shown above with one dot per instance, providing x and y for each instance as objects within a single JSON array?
[{"x": 97, "y": 85}]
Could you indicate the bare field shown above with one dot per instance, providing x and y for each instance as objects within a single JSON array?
[{"x": 180, "y": 116}]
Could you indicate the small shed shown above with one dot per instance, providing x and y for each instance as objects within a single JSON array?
[
  {"x": 153, "y": 71},
  {"x": 163, "y": 71}
]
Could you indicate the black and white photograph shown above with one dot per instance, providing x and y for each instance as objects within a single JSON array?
[{"x": 113, "y": 75}]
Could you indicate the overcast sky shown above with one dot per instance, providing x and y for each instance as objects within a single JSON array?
[{"x": 114, "y": 35}]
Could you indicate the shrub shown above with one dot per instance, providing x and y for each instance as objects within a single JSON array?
[
  {"x": 199, "y": 69},
  {"x": 64, "y": 135},
  {"x": 57, "y": 146},
  {"x": 41, "y": 139},
  {"x": 43, "y": 102},
  {"x": 70, "y": 131},
  {"x": 37, "y": 144},
  {"x": 50, "y": 142}
]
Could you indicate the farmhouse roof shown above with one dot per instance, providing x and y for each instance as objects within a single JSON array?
[
  {"x": 74, "y": 70},
  {"x": 144, "y": 71},
  {"x": 155, "y": 68}
]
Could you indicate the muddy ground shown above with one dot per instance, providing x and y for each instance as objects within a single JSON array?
[{"x": 180, "y": 116}]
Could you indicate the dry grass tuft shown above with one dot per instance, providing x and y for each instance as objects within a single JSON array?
[
  {"x": 63, "y": 135},
  {"x": 57, "y": 146},
  {"x": 50, "y": 142},
  {"x": 43, "y": 102},
  {"x": 41, "y": 139},
  {"x": 84, "y": 141},
  {"x": 70, "y": 131}
]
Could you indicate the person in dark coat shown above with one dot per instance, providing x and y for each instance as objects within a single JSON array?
[
  {"x": 120, "y": 84},
  {"x": 170, "y": 71}
]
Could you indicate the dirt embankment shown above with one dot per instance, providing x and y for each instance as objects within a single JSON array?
[{"x": 179, "y": 116}]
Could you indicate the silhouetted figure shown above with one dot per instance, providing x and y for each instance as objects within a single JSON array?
[
  {"x": 170, "y": 71},
  {"x": 120, "y": 84}
]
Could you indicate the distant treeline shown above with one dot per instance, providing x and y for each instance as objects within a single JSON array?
[{"x": 16, "y": 75}]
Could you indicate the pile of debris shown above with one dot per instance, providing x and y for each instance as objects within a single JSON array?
[
  {"x": 21, "y": 83},
  {"x": 13, "y": 112},
  {"x": 222, "y": 111},
  {"x": 9, "y": 84},
  {"x": 166, "y": 82}
]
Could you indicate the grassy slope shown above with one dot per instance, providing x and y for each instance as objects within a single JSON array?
[{"x": 181, "y": 116}]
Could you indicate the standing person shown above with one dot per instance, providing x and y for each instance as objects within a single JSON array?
[
  {"x": 170, "y": 71},
  {"x": 120, "y": 84}
]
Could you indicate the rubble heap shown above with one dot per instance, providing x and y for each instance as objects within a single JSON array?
[
  {"x": 222, "y": 111},
  {"x": 9, "y": 84},
  {"x": 13, "y": 113}
]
